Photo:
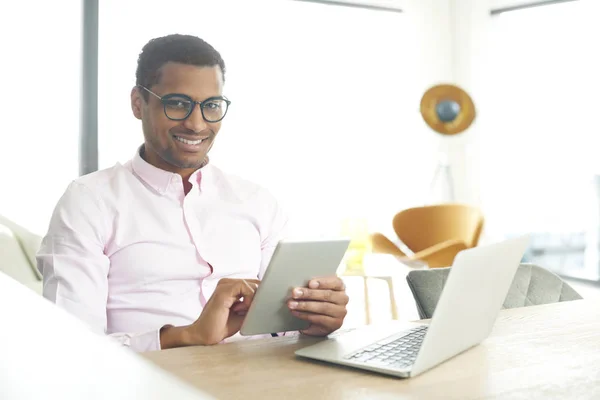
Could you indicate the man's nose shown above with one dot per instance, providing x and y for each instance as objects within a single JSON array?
[{"x": 195, "y": 122}]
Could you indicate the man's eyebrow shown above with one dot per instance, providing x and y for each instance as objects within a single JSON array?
[
  {"x": 177, "y": 94},
  {"x": 216, "y": 96}
]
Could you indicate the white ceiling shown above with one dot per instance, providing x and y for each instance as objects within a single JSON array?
[{"x": 395, "y": 4}]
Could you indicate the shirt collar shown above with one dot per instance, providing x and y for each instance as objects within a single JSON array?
[{"x": 159, "y": 179}]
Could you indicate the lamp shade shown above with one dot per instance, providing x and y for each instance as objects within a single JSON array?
[{"x": 447, "y": 109}]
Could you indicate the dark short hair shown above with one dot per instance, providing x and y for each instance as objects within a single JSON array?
[{"x": 184, "y": 49}]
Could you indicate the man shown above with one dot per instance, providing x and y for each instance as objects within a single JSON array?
[{"x": 158, "y": 252}]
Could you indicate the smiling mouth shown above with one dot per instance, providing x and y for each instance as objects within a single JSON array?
[{"x": 187, "y": 141}]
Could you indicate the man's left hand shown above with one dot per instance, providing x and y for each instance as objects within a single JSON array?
[{"x": 323, "y": 304}]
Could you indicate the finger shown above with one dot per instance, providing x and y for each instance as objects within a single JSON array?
[
  {"x": 230, "y": 281},
  {"x": 328, "y": 296},
  {"x": 317, "y": 330},
  {"x": 330, "y": 323},
  {"x": 327, "y": 282},
  {"x": 240, "y": 307},
  {"x": 242, "y": 287},
  {"x": 251, "y": 286},
  {"x": 318, "y": 307},
  {"x": 245, "y": 289},
  {"x": 229, "y": 292}
]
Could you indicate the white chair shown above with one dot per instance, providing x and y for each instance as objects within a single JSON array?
[{"x": 17, "y": 256}]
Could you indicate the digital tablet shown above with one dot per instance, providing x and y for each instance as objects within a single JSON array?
[{"x": 294, "y": 264}]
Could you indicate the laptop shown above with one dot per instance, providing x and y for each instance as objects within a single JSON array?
[{"x": 471, "y": 299}]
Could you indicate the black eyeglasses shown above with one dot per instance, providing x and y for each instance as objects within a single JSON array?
[{"x": 178, "y": 107}]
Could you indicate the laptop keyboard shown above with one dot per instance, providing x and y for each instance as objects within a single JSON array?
[{"x": 396, "y": 351}]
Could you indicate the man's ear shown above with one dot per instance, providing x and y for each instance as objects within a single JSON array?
[{"x": 136, "y": 102}]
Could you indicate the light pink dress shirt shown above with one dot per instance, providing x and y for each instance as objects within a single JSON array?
[{"x": 128, "y": 252}]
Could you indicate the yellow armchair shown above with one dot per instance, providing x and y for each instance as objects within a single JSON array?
[{"x": 432, "y": 234}]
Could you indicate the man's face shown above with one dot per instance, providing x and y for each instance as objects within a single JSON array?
[{"x": 173, "y": 145}]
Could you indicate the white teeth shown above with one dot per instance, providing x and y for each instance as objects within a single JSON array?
[{"x": 192, "y": 142}]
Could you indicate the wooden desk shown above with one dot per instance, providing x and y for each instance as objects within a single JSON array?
[{"x": 542, "y": 352}]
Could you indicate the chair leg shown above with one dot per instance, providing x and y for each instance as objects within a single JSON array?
[
  {"x": 367, "y": 305},
  {"x": 393, "y": 306}
]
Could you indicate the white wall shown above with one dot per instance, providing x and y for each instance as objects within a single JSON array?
[
  {"x": 469, "y": 20},
  {"x": 452, "y": 37},
  {"x": 327, "y": 119}
]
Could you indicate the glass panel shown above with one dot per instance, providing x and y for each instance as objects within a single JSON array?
[
  {"x": 540, "y": 143},
  {"x": 41, "y": 45}
]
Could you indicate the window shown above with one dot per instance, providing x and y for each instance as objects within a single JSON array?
[
  {"x": 539, "y": 137},
  {"x": 342, "y": 128},
  {"x": 40, "y": 101}
]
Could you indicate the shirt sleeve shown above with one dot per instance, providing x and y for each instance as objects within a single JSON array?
[{"x": 75, "y": 268}]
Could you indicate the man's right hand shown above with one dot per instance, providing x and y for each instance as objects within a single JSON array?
[{"x": 221, "y": 318}]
